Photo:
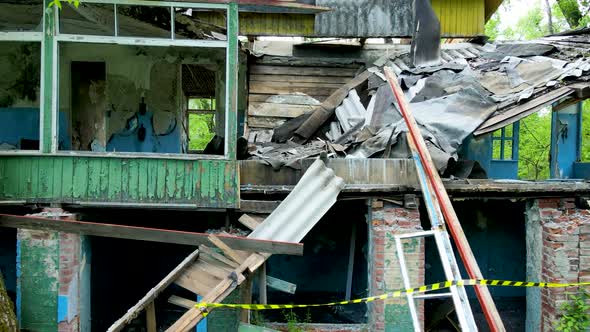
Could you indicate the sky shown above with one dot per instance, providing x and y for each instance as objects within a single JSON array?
[{"x": 516, "y": 9}]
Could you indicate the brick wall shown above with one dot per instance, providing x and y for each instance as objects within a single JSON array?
[
  {"x": 387, "y": 219},
  {"x": 565, "y": 236}
]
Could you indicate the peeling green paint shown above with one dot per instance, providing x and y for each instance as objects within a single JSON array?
[{"x": 66, "y": 179}]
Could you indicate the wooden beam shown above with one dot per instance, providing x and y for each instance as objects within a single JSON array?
[
  {"x": 181, "y": 302},
  {"x": 280, "y": 285},
  {"x": 262, "y": 298},
  {"x": 227, "y": 251},
  {"x": 150, "y": 313},
  {"x": 148, "y": 234},
  {"x": 249, "y": 222},
  {"x": 350, "y": 271},
  {"x": 153, "y": 293}
]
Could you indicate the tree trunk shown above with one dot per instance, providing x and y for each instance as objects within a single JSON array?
[
  {"x": 549, "y": 17},
  {"x": 7, "y": 317},
  {"x": 571, "y": 11}
]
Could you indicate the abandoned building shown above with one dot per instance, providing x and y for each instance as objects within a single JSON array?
[{"x": 153, "y": 153}]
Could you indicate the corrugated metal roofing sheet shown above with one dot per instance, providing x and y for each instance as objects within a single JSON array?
[
  {"x": 351, "y": 111},
  {"x": 311, "y": 198},
  {"x": 365, "y": 18}
]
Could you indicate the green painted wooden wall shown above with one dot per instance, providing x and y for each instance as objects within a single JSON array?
[{"x": 70, "y": 179}]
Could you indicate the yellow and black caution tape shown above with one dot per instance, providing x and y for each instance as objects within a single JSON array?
[{"x": 422, "y": 289}]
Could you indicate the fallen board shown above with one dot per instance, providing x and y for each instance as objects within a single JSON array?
[{"x": 149, "y": 234}]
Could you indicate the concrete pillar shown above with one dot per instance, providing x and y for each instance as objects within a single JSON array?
[
  {"x": 558, "y": 250},
  {"x": 387, "y": 219},
  {"x": 53, "y": 278}
]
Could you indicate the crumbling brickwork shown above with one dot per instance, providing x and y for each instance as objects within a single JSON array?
[
  {"x": 565, "y": 252},
  {"x": 387, "y": 219},
  {"x": 51, "y": 294}
]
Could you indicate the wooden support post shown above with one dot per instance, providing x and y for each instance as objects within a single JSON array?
[
  {"x": 48, "y": 93},
  {"x": 350, "y": 271},
  {"x": 150, "y": 313},
  {"x": 246, "y": 297},
  {"x": 262, "y": 285}
]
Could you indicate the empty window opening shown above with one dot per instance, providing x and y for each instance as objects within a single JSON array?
[
  {"x": 585, "y": 144},
  {"x": 201, "y": 123},
  {"x": 20, "y": 80},
  {"x": 534, "y": 145}
]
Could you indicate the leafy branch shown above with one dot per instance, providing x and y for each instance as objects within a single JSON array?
[{"x": 57, "y": 3}]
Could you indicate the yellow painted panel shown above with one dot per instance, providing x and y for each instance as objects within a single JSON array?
[
  {"x": 460, "y": 18},
  {"x": 262, "y": 24}
]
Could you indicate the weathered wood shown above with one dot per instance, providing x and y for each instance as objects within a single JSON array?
[
  {"x": 265, "y": 122},
  {"x": 270, "y": 88},
  {"x": 147, "y": 234},
  {"x": 280, "y": 285},
  {"x": 326, "y": 109},
  {"x": 278, "y": 110},
  {"x": 227, "y": 251},
  {"x": 182, "y": 302},
  {"x": 246, "y": 297},
  {"x": 302, "y": 71},
  {"x": 196, "y": 281},
  {"x": 249, "y": 222},
  {"x": 255, "y": 206},
  {"x": 218, "y": 257},
  {"x": 262, "y": 282},
  {"x": 150, "y": 313},
  {"x": 261, "y": 98},
  {"x": 350, "y": 268},
  {"x": 224, "y": 288},
  {"x": 153, "y": 293},
  {"x": 300, "y": 79}
]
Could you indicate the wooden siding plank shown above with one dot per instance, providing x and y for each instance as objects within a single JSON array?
[
  {"x": 11, "y": 178},
  {"x": 301, "y": 79},
  {"x": 57, "y": 173},
  {"x": 161, "y": 181},
  {"x": 302, "y": 71},
  {"x": 67, "y": 190},
  {"x": 115, "y": 180},
  {"x": 170, "y": 179},
  {"x": 34, "y": 178},
  {"x": 196, "y": 185},
  {"x": 213, "y": 191},
  {"x": 275, "y": 90},
  {"x": 265, "y": 122},
  {"x": 93, "y": 179},
  {"x": 133, "y": 186},
  {"x": 143, "y": 178},
  {"x": 261, "y": 98},
  {"x": 221, "y": 178},
  {"x": 152, "y": 176},
  {"x": 188, "y": 180},
  {"x": 205, "y": 173},
  {"x": 180, "y": 175},
  {"x": 104, "y": 179},
  {"x": 278, "y": 110},
  {"x": 80, "y": 178},
  {"x": 45, "y": 178},
  {"x": 125, "y": 180},
  {"x": 24, "y": 183},
  {"x": 3, "y": 162}
]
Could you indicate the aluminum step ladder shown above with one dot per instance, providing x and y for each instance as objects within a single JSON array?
[{"x": 457, "y": 293}]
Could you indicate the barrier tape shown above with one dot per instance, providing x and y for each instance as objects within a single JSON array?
[{"x": 422, "y": 289}]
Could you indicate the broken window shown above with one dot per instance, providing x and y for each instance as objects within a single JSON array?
[
  {"x": 21, "y": 15},
  {"x": 505, "y": 143},
  {"x": 20, "y": 80},
  {"x": 534, "y": 145},
  {"x": 585, "y": 144}
]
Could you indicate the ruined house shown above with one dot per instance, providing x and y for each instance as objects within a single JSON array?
[{"x": 97, "y": 103}]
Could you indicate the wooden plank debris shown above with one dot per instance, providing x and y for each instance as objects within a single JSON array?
[
  {"x": 227, "y": 251},
  {"x": 280, "y": 285},
  {"x": 182, "y": 302},
  {"x": 248, "y": 221},
  {"x": 148, "y": 234},
  {"x": 150, "y": 313},
  {"x": 153, "y": 293}
]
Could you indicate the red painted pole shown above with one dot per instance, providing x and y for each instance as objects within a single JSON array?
[{"x": 482, "y": 292}]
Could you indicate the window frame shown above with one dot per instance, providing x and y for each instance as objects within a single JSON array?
[
  {"x": 190, "y": 111},
  {"x": 503, "y": 138},
  {"x": 50, "y": 39}
]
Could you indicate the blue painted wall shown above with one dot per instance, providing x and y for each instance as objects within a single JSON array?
[
  {"x": 129, "y": 140},
  {"x": 566, "y": 125},
  {"x": 480, "y": 149},
  {"x": 23, "y": 123}
]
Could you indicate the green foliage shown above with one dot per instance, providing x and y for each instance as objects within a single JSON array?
[
  {"x": 531, "y": 25},
  {"x": 492, "y": 27},
  {"x": 533, "y": 148},
  {"x": 585, "y": 148},
  {"x": 201, "y": 130},
  {"x": 58, "y": 3},
  {"x": 576, "y": 314},
  {"x": 293, "y": 320}
]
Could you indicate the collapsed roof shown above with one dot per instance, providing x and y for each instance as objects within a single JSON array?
[{"x": 476, "y": 89}]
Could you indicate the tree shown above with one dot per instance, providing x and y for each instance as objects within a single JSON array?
[
  {"x": 571, "y": 11},
  {"x": 549, "y": 17}
]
